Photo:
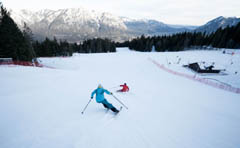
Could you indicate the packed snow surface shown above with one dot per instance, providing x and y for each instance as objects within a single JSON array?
[{"x": 41, "y": 107}]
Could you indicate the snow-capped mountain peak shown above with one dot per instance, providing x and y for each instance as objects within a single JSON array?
[
  {"x": 219, "y": 22},
  {"x": 75, "y": 23}
]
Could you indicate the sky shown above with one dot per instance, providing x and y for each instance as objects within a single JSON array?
[{"x": 184, "y": 12}]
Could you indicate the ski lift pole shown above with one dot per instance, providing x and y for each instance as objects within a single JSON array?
[
  {"x": 86, "y": 106},
  {"x": 120, "y": 101}
]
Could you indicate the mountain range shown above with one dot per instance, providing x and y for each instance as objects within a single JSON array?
[{"x": 78, "y": 24}]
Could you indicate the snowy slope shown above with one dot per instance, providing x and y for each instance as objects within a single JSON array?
[
  {"x": 228, "y": 62},
  {"x": 41, "y": 107}
]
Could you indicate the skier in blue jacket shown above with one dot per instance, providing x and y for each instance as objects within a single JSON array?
[{"x": 100, "y": 98}]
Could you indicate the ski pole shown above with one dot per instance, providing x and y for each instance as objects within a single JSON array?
[
  {"x": 120, "y": 101},
  {"x": 86, "y": 106}
]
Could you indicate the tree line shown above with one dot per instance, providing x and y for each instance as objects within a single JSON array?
[
  {"x": 20, "y": 45},
  {"x": 52, "y": 48},
  {"x": 228, "y": 37}
]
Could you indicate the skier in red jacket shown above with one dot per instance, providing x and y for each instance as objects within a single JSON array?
[{"x": 124, "y": 88}]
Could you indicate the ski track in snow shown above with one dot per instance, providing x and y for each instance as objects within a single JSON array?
[{"x": 41, "y": 107}]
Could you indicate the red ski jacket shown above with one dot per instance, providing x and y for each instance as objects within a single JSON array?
[{"x": 124, "y": 88}]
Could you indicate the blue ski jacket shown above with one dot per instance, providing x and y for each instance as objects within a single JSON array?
[{"x": 100, "y": 94}]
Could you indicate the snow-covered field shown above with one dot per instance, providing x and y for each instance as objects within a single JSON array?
[{"x": 41, "y": 107}]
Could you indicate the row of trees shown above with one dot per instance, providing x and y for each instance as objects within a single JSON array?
[
  {"x": 52, "y": 48},
  {"x": 19, "y": 45},
  {"x": 97, "y": 46},
  {"x": 222, "y": 38}
]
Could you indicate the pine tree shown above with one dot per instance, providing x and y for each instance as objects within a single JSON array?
[
  {"x": 9, "y": 34},
  {"x": 28, "y": 35},
  {"x": 13, "y": 43}
]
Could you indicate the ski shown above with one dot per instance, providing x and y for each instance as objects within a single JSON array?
[{"x": 119, "y": 110}]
